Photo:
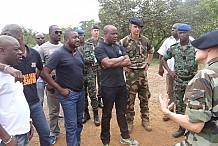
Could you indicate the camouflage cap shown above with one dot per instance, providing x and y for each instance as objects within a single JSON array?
[
  {"x": 206, "y": 40},
  {"x": 137, "y": 22}
]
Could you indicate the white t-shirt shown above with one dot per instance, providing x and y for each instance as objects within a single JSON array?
[
  {"x": 165, "y": 46},
  {"x": 14, "y": 109}
]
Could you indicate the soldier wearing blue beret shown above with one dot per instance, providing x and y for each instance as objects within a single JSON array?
[
  {"x": 185, "y": 68},
  {"x": 200, "y": 97},
  {"x": 184, "y": 27}
]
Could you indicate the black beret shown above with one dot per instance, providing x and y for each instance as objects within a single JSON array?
[
  {"x": 206, "y": 41},
  {"x": 95, "y": 27},
  {"x": 137, "y": 22}
]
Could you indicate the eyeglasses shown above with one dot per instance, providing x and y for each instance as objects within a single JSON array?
[
  {"x": 58, "y": 32},
  {"x": 40, "y": 38}
]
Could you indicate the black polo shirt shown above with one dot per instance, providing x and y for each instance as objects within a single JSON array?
[
  {"x": 110, "y": 77},
  {"x": 28, "y": 67},
  {"x": 69, "y": 68}
]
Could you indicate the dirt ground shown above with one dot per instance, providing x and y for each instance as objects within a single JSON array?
[{"x": 161, "y": 134}]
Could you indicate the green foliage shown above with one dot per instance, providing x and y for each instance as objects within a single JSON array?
[{"x": 159, "y": 16}]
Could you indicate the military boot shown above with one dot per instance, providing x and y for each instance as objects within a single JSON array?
[
  {"x": 96, "y": 118},
  {"x": 179, "y": 132},
  {"x": 86, "y": 116},
  {"x": 100, "y": 104},
  {"x": 146, "y": 124}
]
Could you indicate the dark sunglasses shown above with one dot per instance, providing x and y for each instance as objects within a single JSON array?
[
  {"x": 58, "y": 32},
  {"x": 40, "y": 38}
]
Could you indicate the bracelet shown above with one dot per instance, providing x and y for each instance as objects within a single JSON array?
[
  {"x": 8, "y": 140},
  {"x": 5, "y": 68}
]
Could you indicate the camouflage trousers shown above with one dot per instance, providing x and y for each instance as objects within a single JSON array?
[
  {"x": 179, "y": 87},
  {"x": 137, "y": 83},
  {"x": 90, "y": 88}
]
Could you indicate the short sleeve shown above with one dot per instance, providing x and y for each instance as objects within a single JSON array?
[
  {"x": 100, "y": 53},
  {"x": 168, "y": 54},
  {"x": 53, "y": 60}
]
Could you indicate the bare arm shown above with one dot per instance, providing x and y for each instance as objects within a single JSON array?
[
  {"x": 12, "y": 141},
  {"x": 182, "y": 120},
  {"x": 161, "y": 69},
  {"x": 112, "y": 62},
  {"x": 12, "y": 71},
  {"x": 172, "y": 73}
]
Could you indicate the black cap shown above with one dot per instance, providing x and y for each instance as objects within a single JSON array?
[
  {"x": 206, "y": 41},
  {"x": 95, "y": 27},
  {"x": 137, "y": 22}
]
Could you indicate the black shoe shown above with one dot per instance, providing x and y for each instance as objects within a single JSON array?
[
  {"x": 179, "y": 133},
  {"x": 165, "y": 118},
  {"x": 97, "y": 121},
  {"x": 86, "y": 117},
  {"x": 100, "y": 105}
]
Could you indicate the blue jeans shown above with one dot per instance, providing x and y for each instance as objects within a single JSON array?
[
  {"x": 40, "y": 123},
  {"x": 41, "y": 90},
  {"x": 73, "y": 107},
  {"x": 23, "y": 140}
]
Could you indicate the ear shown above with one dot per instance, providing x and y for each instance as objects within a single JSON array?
[
  {"x": 2, "y": 50},
  {"x": 130, "y": 26}
]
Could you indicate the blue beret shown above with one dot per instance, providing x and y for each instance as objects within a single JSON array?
[
  {"x": 184, "y": 27},
  {"x": 137, "y": 22},
  {"x": 206, "y": 41},
  {"x": 80, "y": 31},
  {"x": 95, "y": 27}
]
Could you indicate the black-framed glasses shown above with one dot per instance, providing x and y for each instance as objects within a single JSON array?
[{"x": 58, "y": 32}]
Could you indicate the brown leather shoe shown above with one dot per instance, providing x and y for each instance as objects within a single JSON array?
[
  {"x": 179, "y": 132},
  {"x": 146, "y": 124}
]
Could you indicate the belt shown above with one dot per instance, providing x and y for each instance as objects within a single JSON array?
[
  {"x": 74, "y": 90},
  {"x": 186, "y": 78},
  {"x": 137, "y": 68}
]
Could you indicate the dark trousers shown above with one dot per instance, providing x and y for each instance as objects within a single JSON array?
[{"x": 117, "y": 95}]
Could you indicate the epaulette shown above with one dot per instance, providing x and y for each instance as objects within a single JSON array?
[
  {"x": 88, "y": 43},
  {"x": 174, "y": 45}
]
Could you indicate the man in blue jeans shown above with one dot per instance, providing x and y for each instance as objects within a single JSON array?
[
  {"x": 68, "y": 63},
  {"x": 112, "y": 58},
  {"x": 30, "y": 61}
]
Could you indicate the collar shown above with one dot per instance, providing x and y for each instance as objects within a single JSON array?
[
  {"x": 212, "y": 61},
  {"x": 130, "y": 37},
  {"x": 69, "y": 51},
  {"x": 188, "y": 46}
]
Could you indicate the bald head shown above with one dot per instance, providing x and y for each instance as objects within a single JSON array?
[
  {"x": 174, "y": 30},
  {"x": 108, "y": 28},
  {"x": 10, "y": 52},
  {"x": 110, "y": 34}
]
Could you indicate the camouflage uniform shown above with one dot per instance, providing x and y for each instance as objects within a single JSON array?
[
  {"x": 185, "y": 66},
  {"x": 97, "y": 69},
  {"x": 136, "y": 78},
  {"x": 201, "y": 97},
  {"x": 90, "y": 87}
]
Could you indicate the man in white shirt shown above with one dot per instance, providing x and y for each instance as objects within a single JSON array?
[{"x": 14, "y": 109}]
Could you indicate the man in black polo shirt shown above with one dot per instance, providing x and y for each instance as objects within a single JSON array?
[
  {"x": 112, "y": 59},
  {"x": 30, "y": 62},
  {"x": 68, "y": 63}
]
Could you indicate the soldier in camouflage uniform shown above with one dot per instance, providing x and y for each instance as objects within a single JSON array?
[
  {"x": 87, "y": 50},
  {"x": 140, "y": 53},
  {"x": 185, "y": 69},
  {"x": 201, "y": 96},
  {"x": 94, "y": 40}
]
